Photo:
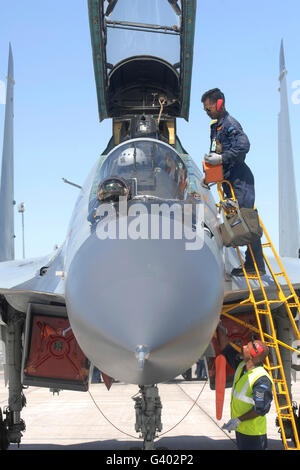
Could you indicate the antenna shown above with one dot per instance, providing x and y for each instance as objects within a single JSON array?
[
  {"x": 21, "y": 209},
  {"x": 72, "y": 184}
]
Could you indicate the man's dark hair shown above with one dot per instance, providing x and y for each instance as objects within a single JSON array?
[{"x": 213, "y": 95}]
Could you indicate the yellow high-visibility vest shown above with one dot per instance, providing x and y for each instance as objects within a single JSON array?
[{"x": 242, "y": 400}]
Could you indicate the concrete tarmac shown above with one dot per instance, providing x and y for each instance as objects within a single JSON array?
[{"x": 105, "y": 420}]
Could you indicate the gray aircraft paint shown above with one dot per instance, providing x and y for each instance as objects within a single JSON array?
[
  {"x": 123, "y": 295},
  {"x": 289, "y": 241},
  {"x": 7, "y": 172}
]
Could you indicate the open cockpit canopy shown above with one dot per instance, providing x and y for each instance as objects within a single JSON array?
[{"x": 143, "y": 54}]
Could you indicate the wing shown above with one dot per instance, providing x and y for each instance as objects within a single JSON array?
[
  {"x": 236, "y": 288},
  {"x": 37, "y": 279},
  {"x": 30, "y": 279}
]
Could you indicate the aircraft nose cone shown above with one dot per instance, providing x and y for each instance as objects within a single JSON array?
[{"x": 123, "y": 295}]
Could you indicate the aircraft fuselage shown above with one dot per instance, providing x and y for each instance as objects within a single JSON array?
[{"x": 144, "y": 304}]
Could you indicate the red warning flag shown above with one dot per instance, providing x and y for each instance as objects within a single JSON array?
[{"x": 220, "y": 384}]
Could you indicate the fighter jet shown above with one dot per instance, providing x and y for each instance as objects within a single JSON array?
[{"x": 140, "y": 283}]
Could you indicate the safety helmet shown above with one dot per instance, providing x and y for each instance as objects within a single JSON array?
[
  {"x": 110, "y": 189},
  {"x": 132, "y": 156}
]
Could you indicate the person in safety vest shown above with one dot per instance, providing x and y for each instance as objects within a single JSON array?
[
  {"x": 251, "y": 394},
  {"x": 229, "y": 145}
]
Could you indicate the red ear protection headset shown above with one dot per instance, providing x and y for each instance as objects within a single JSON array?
[
  {"x": 256, "y": 350},
  {"x": 220, "y": 105}
]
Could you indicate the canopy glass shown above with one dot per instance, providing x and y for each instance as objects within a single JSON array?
[
  {"x": 129, "y": 31},
  {"x": 142, "y": 51},
  {"x": 155, "y": 166}
]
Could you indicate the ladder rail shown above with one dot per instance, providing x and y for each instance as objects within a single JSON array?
[
  {"x": 280, "y": 290},
  {"x": 279, "y": 386},
  {"x": 279, "y": 367},
  {"x": 256, "y": 330},
  {"x": 283, "y": 390},
  {"x": 279, "y": 263}
]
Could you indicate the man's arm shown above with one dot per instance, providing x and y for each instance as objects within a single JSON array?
[
  {"x": 239, "y": 145},
  {"x": 232, "y": 356},
  {"x": 249, "y": 415},
  {"x": 222, "y": 336},
  {"x": 262, "y": 395}
]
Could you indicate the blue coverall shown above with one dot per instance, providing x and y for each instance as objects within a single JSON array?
[{"x": 235, "y": 146}]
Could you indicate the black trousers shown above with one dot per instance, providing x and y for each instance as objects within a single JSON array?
[{"x": 245, "y": 442}]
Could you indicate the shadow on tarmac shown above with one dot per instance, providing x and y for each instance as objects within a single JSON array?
[{"x": 177, "y": 443}]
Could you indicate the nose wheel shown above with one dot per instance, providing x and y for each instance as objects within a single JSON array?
[
  {"x": 148, "y": 414},
  {"x": 4, "y": 441}
]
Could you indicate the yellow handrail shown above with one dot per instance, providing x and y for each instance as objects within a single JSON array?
[{"x": 284, "y": 412}]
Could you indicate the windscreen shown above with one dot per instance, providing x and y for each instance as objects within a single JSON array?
[
  {"x": 137, "y": 38},
  {"x": 155, "y": 167}
]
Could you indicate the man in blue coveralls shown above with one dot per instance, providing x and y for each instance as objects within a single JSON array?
[{"x": 229, "y": 146}]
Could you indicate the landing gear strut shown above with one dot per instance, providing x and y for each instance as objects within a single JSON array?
[
  {"x": 148, "y": 414},
  {"x": 11, "y": 428},
  {"x": 11, "y": 424}
]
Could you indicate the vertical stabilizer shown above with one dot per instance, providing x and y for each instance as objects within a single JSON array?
[
  {"x": 289, "y": 240},
  {"x": 7, "y": 172}
]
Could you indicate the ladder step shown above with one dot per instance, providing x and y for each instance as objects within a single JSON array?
[
  {"x": 279, "y": 274},
  {"x": 290, "y": 297},
  {"x": 287, "y": 417},
  {"x": 263, "y": 312},
  {"x": 284, "y": 407},
  {"x": 278, "y": 381},
  {"x": 274, "y": 367},
  {"x": 267, "y": 302},
  {"x": 272, "y": 345},
  {"x": 266, "y": 245}
]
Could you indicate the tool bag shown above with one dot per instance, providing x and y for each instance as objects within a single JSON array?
[{"x": 240, "y": 228}]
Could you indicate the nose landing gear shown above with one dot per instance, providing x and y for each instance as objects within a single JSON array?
[{"x": 148, "y": 414}]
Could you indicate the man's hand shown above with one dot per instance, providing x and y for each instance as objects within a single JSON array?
[
  {"x": 231, "y": 425},
  {"x": 222, "y": 336},
  {"x": 203, "y": 183},
  {"x": 213, "y": 158}
]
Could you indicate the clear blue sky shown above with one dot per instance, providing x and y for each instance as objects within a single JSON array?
[{"x": 57, "y": 130}]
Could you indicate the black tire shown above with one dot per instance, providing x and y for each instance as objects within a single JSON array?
[{"x": 4, "y": 442}]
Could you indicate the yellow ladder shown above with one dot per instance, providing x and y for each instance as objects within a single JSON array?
[{"x": 263, "y": 314}]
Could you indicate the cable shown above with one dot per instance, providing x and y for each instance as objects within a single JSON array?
[
  {"x": 135, "y": 437},
  {"x": 233, "y": 440},
  {"x": 195, "y": 402},
  {"x": 94, "y": 401},
  {"x": 105, "y": 417},
  {"x": 162, "y": 100}
]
